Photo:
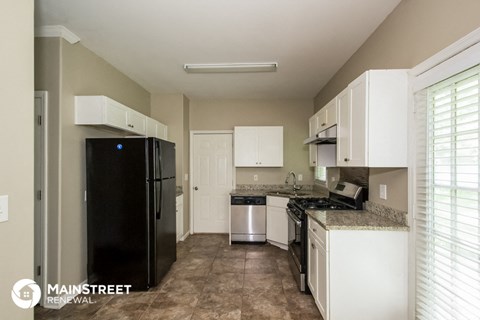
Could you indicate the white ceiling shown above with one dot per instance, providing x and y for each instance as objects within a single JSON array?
[{"x": 150, "y": 40}]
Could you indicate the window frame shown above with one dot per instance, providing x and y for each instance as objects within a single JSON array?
[{"x": 459, "y": 56}]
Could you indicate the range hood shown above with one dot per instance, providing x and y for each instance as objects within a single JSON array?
[{"x": 327, "y": 136}]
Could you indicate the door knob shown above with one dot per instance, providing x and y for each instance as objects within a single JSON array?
[{"x": 196, "y": 188}]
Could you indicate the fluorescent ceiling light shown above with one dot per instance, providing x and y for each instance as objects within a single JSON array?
[{"x": 230, "y": 67}]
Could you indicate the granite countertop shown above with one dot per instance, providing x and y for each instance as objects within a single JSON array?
[
  {"x": 179, "y": 193},
  {"x": 354, "y": 220},
  {"x": 277, "y": 193}
]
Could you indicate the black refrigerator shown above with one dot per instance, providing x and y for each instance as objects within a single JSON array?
[{"x": 131, "y": 221}]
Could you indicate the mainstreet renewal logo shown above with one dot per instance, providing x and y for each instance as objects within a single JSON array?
[{"x": 26, "y": 293}]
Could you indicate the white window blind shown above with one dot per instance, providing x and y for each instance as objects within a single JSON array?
[{"x": 447, "y": 219}]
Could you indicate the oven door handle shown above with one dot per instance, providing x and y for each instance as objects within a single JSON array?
[{"x": 297, "y": 221}]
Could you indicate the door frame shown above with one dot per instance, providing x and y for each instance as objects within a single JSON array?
[
  {"x": 193, "y": 133},
  {"x": 41, "y": 222}
]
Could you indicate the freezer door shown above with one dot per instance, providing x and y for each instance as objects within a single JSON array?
[
  {"x": 167, "y": 159},
  {"x": 161, "y": 159}
]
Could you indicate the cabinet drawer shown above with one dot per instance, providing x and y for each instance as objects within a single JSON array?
[{"x": 318, "y": 232}]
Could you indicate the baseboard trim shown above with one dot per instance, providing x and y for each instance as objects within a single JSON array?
[{"x": 185, "y": 236}]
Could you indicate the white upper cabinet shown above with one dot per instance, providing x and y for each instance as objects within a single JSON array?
[
  {"x": 258, "y": 146},
  {"x": 136, "y": 122},
  {"x": 100, "y": 110},
  {"x": 312, "y": 148},
  {"x": 372, "y": 120},
  {"x": 156, "y": 129},
  {"x": 103, "y": 111},
  {"x": 327, "y": 116},
  {"x": 323, "y": 119}
]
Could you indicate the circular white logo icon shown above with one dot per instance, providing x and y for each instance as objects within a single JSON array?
[{"x": 26, "y": 293}]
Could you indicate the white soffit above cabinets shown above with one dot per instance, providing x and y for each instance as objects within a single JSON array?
[{"x": 150, "y": 41}]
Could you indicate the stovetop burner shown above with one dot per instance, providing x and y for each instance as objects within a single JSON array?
[{"x": 319, "y": 204}]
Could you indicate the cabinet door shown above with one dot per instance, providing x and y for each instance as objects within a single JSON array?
[
  {"x": 343, "y": 128},
  {"x": 115, "y": 115},
  {"x": 312, "y": 271},
  {"x": 179, "y": 216},
  {"x": 270, "y": 146},
  {"x": 331, "y": 113},
  {"x": 322, "y": 281},
  {"x": 312, "y": 148},
  {"x": 277, "y": 224},
  {"x": 245, "y": 142},
  {"x": 136, "y": 122},
  {"x": 358, "y": 123},
  {"x": 322, "y": 119},
  {"x": 161, "y": 131},
  {"x": 151, "y": 127}
]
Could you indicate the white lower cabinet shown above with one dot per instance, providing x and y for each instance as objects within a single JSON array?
[
  {"x": 277, "y": 221},
  {"x": 358, "y": 274},
  {"x": 179, "y": 216}
]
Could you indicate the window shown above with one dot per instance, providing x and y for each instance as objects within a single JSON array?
[
  {"x": 321, "y": 175},
  {"x": 447, "y": 219}
]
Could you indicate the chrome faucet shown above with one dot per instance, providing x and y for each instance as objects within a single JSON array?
[{"x": 295, "y": 187}]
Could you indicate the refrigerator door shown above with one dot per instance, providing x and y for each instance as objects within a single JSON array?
[
  {"x": 117, "y": 213},
  {"x": 165, "y": 228}
]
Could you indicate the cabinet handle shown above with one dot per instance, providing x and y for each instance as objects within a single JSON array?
[
  {"x": 314, "y": 230},
  {"x": 346, "y": 159},
  {"x": 313, "y": 246},
  {"x": 324, "y": 124}
]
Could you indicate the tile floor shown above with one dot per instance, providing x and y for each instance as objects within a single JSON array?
[{"x": 210, "y": 280}]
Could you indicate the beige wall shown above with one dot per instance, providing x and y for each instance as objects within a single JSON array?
[
  {"x": 173, "y": 110},
  {"x": 81, "y": 72},
  {"x": 412, "y": 33},
  {"x": 291, "y": 114},
  {"x": 16, "y": 140}
]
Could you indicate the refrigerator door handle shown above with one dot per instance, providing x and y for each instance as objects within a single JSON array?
[{"x": 158, "y": 200}]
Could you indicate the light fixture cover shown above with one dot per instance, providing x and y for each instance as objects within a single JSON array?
[{"x": 230, "y": 67}]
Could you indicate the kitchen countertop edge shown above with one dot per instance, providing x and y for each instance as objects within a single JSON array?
[
  {"x": 354, "y": 220},
  {"x": 262, "y": 193}
]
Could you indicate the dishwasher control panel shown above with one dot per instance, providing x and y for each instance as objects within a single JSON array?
[{"x": 248, "y": 201}]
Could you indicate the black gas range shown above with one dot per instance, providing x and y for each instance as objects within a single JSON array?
[{"x": 343, "y": 196}]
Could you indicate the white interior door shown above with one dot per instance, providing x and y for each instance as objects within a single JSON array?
[{"x": 212, "y": 182}]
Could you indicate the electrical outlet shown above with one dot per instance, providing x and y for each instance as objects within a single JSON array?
[
  {"x": 3, "y": 208},
  {"x": 383, "y": 191},
  {"x": 255, "y": 177},
  {"x": 300, "y": 177}
]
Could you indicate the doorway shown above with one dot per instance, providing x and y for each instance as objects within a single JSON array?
[
  {"x": 212, "y": 180},
  {"x": 40, "y": 183}
]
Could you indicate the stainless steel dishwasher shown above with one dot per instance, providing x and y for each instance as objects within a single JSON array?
[{"x": 248, "y": 218}]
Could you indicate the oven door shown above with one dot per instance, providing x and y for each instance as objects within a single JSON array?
[{"x": 295, "y": 238}]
